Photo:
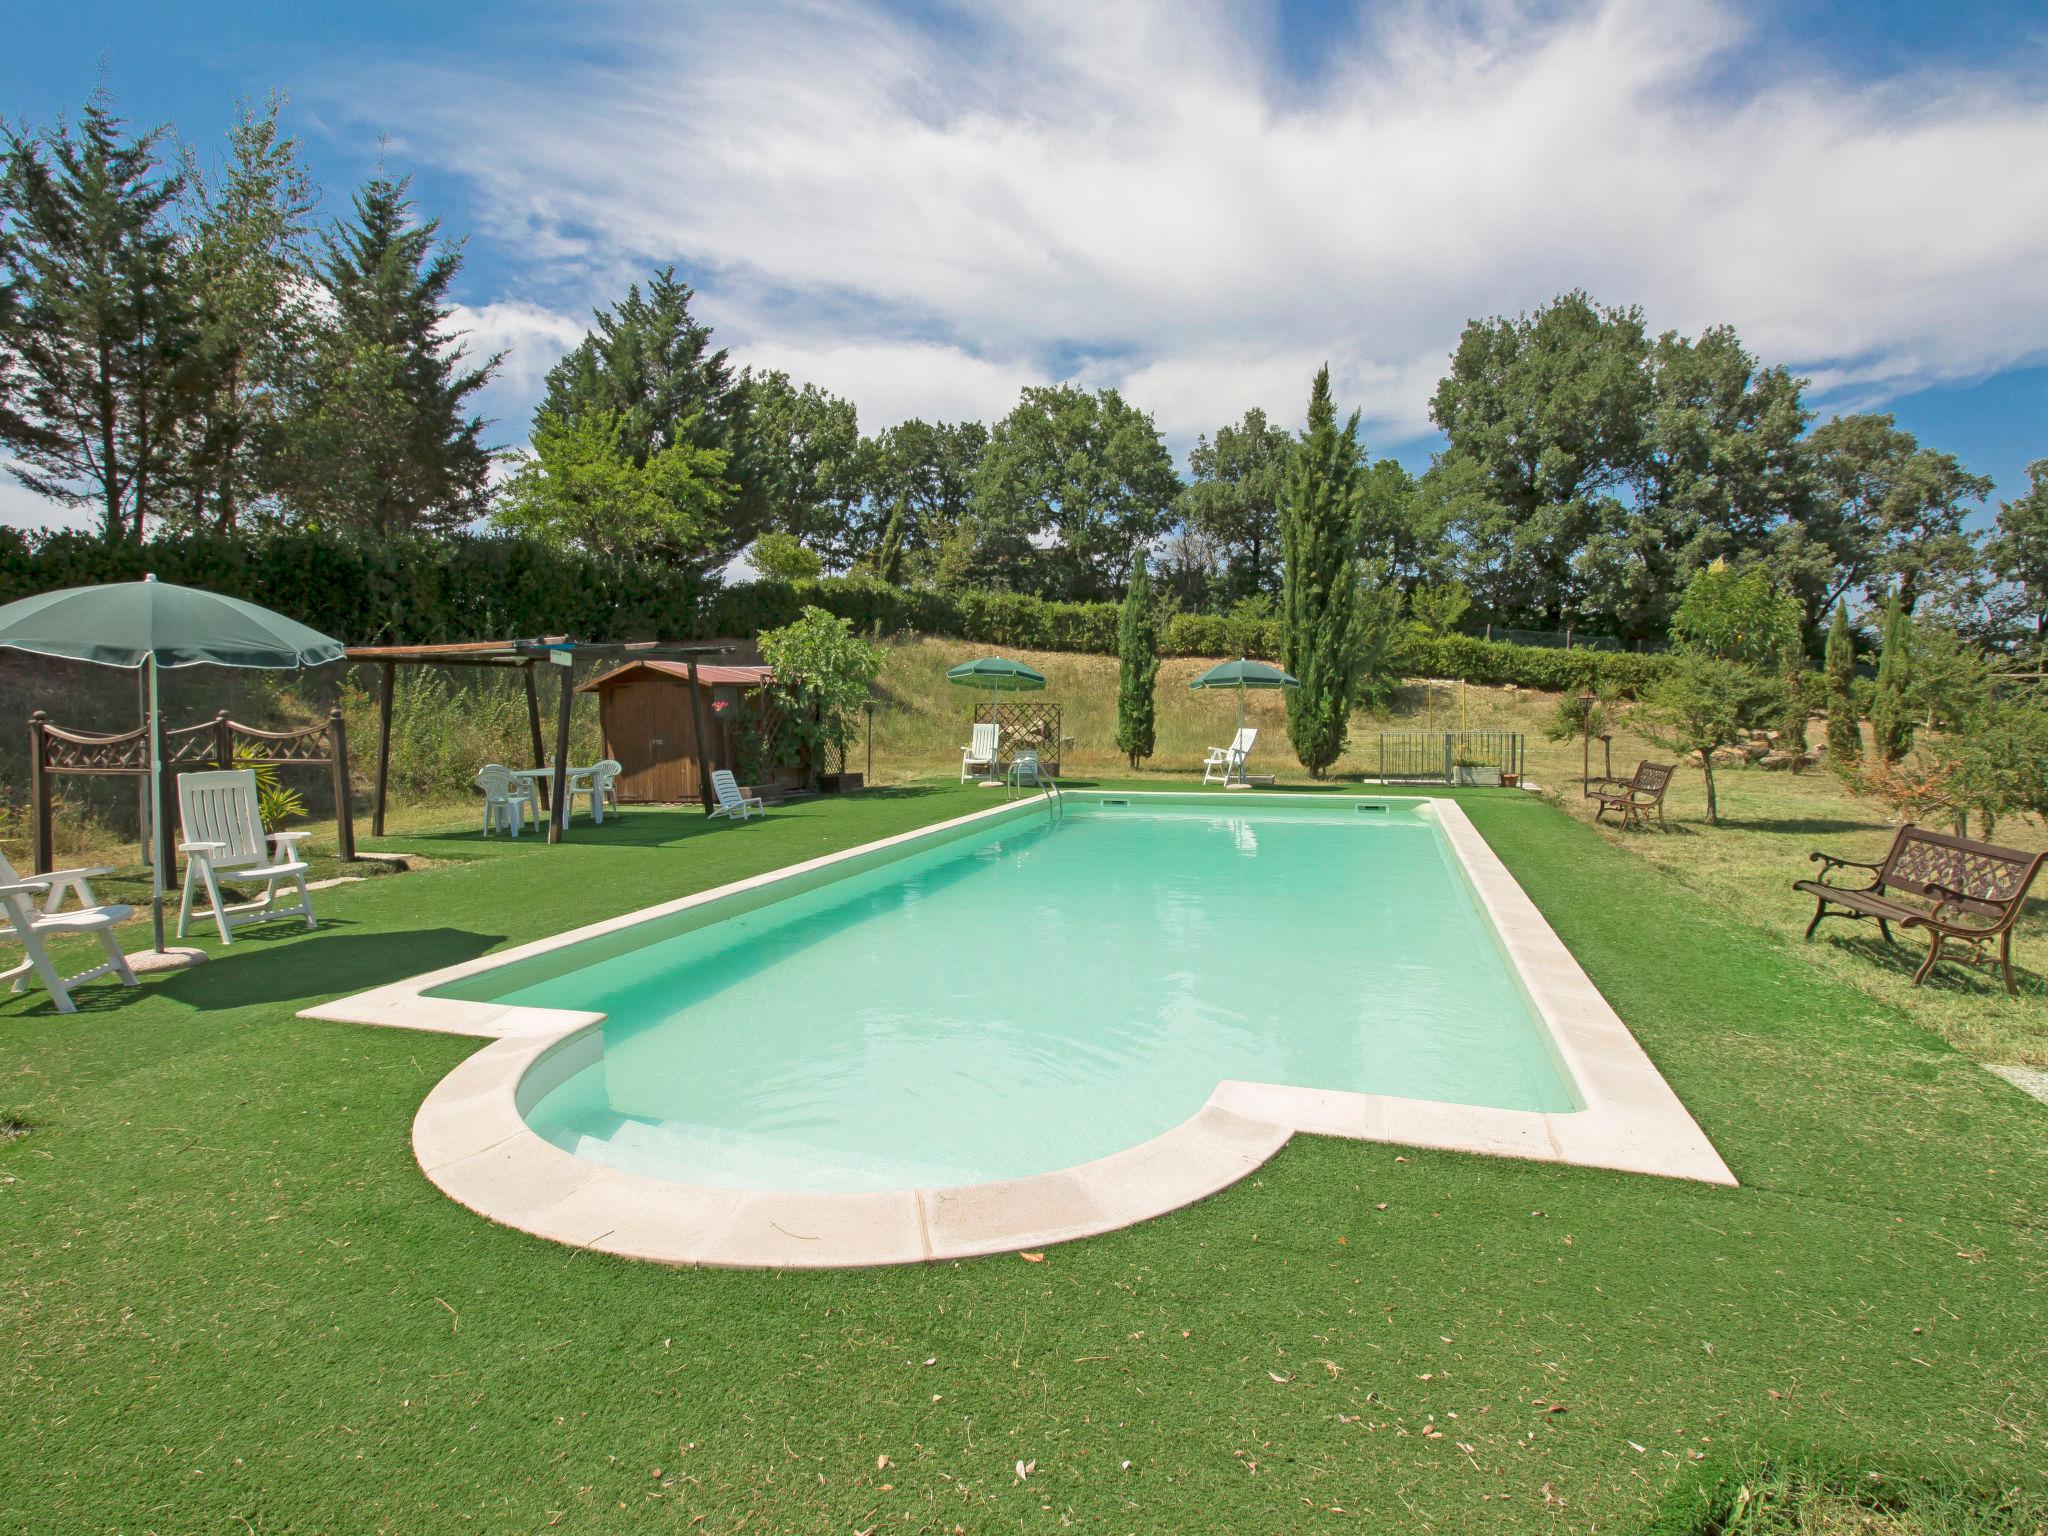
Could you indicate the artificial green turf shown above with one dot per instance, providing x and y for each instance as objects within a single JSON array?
[{"x": 234, "y": 1303}]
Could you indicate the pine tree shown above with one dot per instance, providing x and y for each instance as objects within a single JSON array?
[
  {"x": 379, "y": 437},
  {"x": 1137, "y": 644},
  {"x": 1319, "y": 515},
  {"x": 97, "y": 339},
  {"x": 1891, "y": 724},
  {"x": 248, "y": 259},
  {"x": 1845, "y": 738}
]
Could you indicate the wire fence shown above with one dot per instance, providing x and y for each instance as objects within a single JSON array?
[
  {"x": 1451, "y": 757},
  {"x": 1565, "y": 639}
]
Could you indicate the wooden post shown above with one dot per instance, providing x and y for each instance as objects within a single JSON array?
[
  {"x": 223, "y": 741},
  {"x": 558, "y": 813},
  {"x": 344, "y": 810},
  {"x": 540, "y": 751},
  {"x": 39, "y": 791},
  {"x": 383, "y": 749},
  {"x": 701, "y": 731}
]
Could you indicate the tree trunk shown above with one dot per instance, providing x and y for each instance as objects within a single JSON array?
[{"x": 1707, "y": 767}]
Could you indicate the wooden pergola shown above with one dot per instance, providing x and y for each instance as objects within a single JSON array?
[{"x": 525, "y": 655}]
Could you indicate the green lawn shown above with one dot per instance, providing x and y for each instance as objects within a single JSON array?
[{"x": 234, "y": 1303}]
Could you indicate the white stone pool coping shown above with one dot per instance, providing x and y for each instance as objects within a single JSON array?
[{"x": 472, "y": 1140}]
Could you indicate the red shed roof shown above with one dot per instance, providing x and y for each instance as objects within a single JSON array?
[{"x": 722, "y": 676}]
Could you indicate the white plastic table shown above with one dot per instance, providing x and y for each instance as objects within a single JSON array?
[{"x": 579, "y": 782}]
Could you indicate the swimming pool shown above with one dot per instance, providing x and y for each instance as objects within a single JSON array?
[
  {"x": 1043, "y": 993},
  {"x": 1027, "y": 1024}
]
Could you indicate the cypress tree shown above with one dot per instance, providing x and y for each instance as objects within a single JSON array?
[
  {"x": 1845, "y": 740},
  {"x": 1137, "y": 645},
  {"x": 1319, "y": 578},
  {"x": 1891, "y": 726},
  {"x": 1792, "y": 677}
]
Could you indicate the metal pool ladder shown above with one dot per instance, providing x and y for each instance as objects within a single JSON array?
[{"x": 1013, "y": 782}]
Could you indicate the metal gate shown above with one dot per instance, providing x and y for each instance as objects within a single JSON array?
[{"x": 1450, "y": 757}]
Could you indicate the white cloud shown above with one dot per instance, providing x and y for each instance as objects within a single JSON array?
[
  {"x": 532, "y": 339},
  {"x": 1136, "y": 194},
  {"x": 21, "y": 507},
  {"x": 892, "y": 381}
]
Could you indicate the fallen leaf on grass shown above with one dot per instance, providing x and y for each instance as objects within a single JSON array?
[
  {"x": 1283, "y": 1380},
  {"x": 1032, "y": 1258},
  {"x": 1025, "y": 1469},
  {"x": 881, "y": 1461}
]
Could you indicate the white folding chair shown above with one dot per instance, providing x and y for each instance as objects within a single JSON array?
[
  {"x": 507, "y": 801},
  {"x": 32, "y": 924},
  {"x": 224, "y": 834}
]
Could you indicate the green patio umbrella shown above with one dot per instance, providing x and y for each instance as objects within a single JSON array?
[
  {"x": 152, "y": 625},
  {"x": 1241, "y": 674},
  {"x": 996, "y": 674}
]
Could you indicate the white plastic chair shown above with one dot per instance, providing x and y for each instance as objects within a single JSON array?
[
  {"x": 1227, "y": 763},
  {"x": 981, "y": 752},
  {"x": 597, "y": 783},
  {"x": 224, "y": 834},
  {"x": 730, "y": 801},
  {"x": 32, "y": 924},
  {"x": 506, "y": 800}
]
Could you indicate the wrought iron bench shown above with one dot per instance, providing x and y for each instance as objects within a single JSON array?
[
  {"x": 1635, "y": 796},
  {"x": 1961, "y": 892}
]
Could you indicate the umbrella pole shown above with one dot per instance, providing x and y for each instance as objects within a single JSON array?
[
  {"x": 156, "y": 781},
  {"x": 1240, "y": 736}
]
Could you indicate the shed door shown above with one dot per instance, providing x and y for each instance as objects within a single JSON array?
[{"x": 652, "y": 736}]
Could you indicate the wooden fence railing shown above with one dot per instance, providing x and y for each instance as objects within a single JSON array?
[{"x": 216, "y": 743}]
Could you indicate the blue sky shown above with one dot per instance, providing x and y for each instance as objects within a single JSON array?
[{"x": 926, "y": 206}]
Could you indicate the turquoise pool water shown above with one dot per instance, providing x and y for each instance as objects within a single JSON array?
[{"x": 1037, "y": 994}]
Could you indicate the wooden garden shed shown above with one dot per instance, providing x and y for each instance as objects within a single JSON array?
[{"x": 650, "y": 723}]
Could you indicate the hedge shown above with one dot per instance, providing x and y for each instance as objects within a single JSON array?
[
  {"x": 400, "y": 590},
  {"x": 418, "y": 590}
]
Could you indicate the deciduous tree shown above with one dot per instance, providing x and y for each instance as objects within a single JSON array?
[
  {"x": 1083, "y": 478},
  {"x": 1233, "y": 498},
  {"x": 581, "y": 487}
]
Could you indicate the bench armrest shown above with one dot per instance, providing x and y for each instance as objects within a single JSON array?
[
  {"x": 25, "y": 888},
  {"x": 1829, "y": 863},
  {"x": 202, "y": 850},
  {"x": 288, "y": 839}
]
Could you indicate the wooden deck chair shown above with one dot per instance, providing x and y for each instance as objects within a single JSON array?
[
  {"x": 980, "y": 752},
  {"x": 1227, "y": 763},
  {"x": 32, "y": 924},
  {"x": 224, "y": 835},
  {"x": 731, "y": 802}
]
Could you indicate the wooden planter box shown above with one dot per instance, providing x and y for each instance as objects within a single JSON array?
[
  {"x": 1488, "y": 778},
  {"x": 839, "y": 783}
]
